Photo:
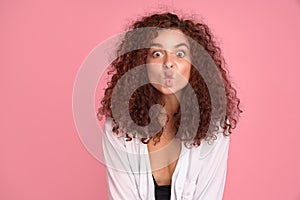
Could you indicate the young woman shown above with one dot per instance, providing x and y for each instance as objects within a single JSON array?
[{"x": 177, "y": 150}]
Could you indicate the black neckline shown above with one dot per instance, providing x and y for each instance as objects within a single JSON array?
[{"x": 159, "y": 186}]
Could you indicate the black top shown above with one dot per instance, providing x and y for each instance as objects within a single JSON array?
[{"x": 162, "y": 192}]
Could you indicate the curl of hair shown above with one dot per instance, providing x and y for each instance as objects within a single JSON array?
[{"x": 146, "y": 96}]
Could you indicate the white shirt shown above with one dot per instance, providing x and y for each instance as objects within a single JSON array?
[{"x": 200, "y": 172}]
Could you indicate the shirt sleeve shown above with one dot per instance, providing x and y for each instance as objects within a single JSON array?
[
  {"x": 211, "y": 180},
  {"x": 121, "y": 181}
]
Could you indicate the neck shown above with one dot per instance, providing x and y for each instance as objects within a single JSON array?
[
  {"x": 171, "y": 107},
  {"x": 171, "y": 103}
]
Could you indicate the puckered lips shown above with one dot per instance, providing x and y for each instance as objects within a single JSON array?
[{"x": 168, "y": 78}]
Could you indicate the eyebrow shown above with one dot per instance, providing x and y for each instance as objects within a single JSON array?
[
  {"x": 176, "y": 46},
  {"x": 182, "y": 44}
]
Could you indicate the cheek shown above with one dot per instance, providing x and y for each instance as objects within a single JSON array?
[
  {"x": 152, "y": 72},
  {"x": 186, "y": 71}
]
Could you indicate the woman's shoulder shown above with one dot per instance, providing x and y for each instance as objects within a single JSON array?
[
  {"x": 211, "y": 146},
  {"x": 119, "y": 140},
  {"x": 110, "y": 135}
]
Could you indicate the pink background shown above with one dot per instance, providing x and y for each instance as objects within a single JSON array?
[{"x": 42, "y": 46}]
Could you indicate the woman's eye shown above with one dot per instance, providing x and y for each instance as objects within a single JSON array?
[
  {"x": 180, "y": 54},
  {"x": 156, "y": 54}
]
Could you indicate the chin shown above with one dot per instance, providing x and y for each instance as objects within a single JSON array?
[{"x": 167, "y": 90}]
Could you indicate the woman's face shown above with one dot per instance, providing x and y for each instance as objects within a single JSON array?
[{"x": 168, "y": 61}]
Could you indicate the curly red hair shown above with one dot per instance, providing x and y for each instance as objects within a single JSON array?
[{"x": 146, "y": 96}]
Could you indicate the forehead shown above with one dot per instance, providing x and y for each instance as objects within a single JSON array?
[{"x": 169, "y": 38}]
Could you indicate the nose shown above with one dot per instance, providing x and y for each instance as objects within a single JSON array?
[{"x": 169, "y": 61}]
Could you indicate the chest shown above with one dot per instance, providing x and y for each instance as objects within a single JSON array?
[{"x": 163, "y": 160}]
